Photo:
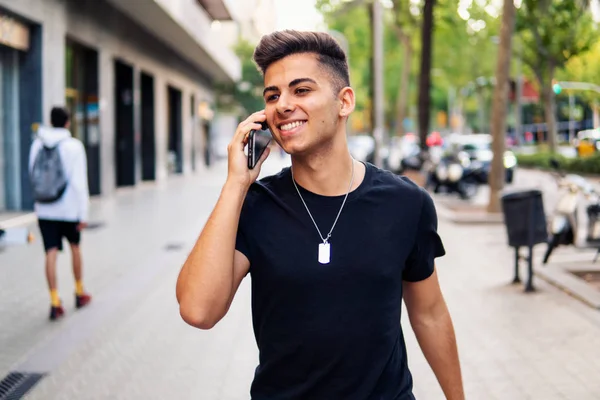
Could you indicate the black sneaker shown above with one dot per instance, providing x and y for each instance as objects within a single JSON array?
[
  {"x": 56, "y": 312},
  {"x": 83, "y": 300}
]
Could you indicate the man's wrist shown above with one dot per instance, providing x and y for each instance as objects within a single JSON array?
[{"x": 232, "y": 185}]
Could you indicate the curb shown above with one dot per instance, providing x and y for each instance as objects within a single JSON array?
[
  {"x": 571, "y": 285},
  {"x": 468, "y": 218},
  {"x": 18, "y": 221}
]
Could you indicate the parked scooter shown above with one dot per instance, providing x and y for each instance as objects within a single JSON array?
[{"x": 564, "y": 224}]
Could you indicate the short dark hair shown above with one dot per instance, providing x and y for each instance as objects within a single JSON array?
[
  {"x": 59, "y": 117},
  {"x": 277, "y": 45}
]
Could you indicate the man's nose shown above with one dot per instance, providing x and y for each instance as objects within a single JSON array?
[{"x": 284, "y": 104}]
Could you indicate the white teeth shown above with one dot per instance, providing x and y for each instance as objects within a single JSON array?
[{"x": 291, "y": 125}]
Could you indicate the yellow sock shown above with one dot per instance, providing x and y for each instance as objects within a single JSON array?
[
  {"x": 54, "y": 299},
  {"x": 78, "y": 288}
]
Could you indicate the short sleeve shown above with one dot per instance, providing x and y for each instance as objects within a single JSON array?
[
  {"x": 241, "y": 241},
  {"x": 428, "y": 244}
]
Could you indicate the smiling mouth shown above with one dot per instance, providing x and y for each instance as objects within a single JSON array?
[{"x": 291, "y": 125}]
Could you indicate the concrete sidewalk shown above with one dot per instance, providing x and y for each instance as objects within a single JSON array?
[
  {"x": 513, "y": 345},
  {"x": 141, "y": 238},
  {"x": 131, "y": 343}
]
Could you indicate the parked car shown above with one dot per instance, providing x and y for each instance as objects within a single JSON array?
[
  {"x": 479, "y": 149},
  {"x": 456, "y": 174},
  {"x": 400, "y": 149}
]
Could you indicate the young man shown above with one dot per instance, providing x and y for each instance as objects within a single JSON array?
[
  {"x": 333, "y": 246},
  {"x": 66, "y": 215}
]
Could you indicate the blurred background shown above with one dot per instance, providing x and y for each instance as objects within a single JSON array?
[{"x": 492, "y": 105}]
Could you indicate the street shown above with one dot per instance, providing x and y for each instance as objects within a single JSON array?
[
  {"x": 135, "y": 103},
  {"x": 131, "y": 343}
]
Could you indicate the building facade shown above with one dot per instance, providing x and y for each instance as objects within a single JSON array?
[
  {"x": 137, "y": 77},
  {"x": 251, "y": 19}
]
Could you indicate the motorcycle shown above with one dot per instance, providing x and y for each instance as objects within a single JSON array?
[
  {"x": 564, "y": 224},
  {"x": 456, "y": 173}
]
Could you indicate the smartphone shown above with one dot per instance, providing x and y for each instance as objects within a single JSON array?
[{"x": 258, "y": 141}]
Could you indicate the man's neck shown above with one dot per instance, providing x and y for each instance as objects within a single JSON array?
[{"x": 328, "y": 173}]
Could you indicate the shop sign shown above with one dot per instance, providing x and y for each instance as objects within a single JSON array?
[{"x": 13, "y": 33}]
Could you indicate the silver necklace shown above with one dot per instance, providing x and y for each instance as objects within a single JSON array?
[{"x": 325, "y": 247}]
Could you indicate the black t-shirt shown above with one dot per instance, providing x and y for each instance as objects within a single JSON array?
[{"x": 332, "y": 331}]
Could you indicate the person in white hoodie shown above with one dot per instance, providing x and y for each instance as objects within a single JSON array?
[{"x": 67, "y": 216}]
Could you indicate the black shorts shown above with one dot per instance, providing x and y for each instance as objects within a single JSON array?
[{"x": 54, "y": 231}]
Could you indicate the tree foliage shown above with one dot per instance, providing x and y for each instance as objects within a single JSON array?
[
  {"x": 244, "y": 96},
  {"x": 551, "y": 33},
  {"x": 554, "y": 37},
  {"x": 462, "y": 51},
  {"x": 584, "y": 68}
]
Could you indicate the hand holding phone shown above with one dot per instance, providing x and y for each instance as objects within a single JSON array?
[
  {"x": 237, "y": 159},
  {"x": 258, "y": 141}
]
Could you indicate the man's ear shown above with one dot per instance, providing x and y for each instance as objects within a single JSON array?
[{"x": 347, "y": 101}]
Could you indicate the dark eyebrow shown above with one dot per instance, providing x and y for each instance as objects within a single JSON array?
[
  {"x": 295, "y": 82},
  {"x": 298, "y": 81}
]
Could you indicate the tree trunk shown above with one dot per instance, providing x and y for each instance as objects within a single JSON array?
[
  {"x": 403, "y": 88},
  {"x": 499, "y": 106},
  {"x": 596, "y": 114},
  {"x": 550, "y": 110},
  {"x": 425, "y": 73}
]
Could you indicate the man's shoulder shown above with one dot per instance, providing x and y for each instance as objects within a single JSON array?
[
  {"x": 269, "y": 186},
  {"x": 73, "y": 146},
  {"x": 272, "y": 182},
  {"x": 74, "y": 142},
  {"x": 396, "y": 185},
  {"x": 36, "y": 143}
]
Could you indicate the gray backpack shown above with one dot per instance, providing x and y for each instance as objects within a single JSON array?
[{"x": 48, "y": 177}]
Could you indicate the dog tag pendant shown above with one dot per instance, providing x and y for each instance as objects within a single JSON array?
[{"x": 324, "y": 253}]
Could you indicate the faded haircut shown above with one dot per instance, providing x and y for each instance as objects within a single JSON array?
[{"x": 277, "y": 45}]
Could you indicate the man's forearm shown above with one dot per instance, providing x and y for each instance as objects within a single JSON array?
[
  {"x": 438, "y": 343},
  {"x": 206, "y": 279}
]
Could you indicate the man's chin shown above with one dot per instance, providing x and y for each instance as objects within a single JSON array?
[
  {"x": 308, "y": 149},
  {"x": 294, "y": 149},
  {"x": 297, "y": 151}
]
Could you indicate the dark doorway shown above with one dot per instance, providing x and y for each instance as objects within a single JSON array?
[
  {"x": 207, "y": 143},
  {"x": 124, "y": 125},
  {"x": 148, "y": 139},
  {"x": 175, "y": 131},
  {"x": 82, "y": 100}
]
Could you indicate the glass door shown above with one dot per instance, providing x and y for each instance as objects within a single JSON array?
[
  {"x": 81, "y": 98},
  {"x": 10, "y": 168},
  {"x": 73, "y": 97}
]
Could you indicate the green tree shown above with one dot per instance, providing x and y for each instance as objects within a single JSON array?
[
  {"x": 460, "y": 53},
  {"x": 585, "y": 68},
  {"x": 425, "y": 72},
  {"x": 496, "y": 178},
  {"x": 406, "y": 23},
  {"x": 352, "y": 21},
  {"x": 552, "y": 32},
  {"x": 464, "y": 51},
  {"x": 244, "y": 96}
]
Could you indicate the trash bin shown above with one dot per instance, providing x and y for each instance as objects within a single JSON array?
[
  {"x": 524, "y": 218},
  {"x": 525, "y": 223},
  {"x": 593, "y": 231}
]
